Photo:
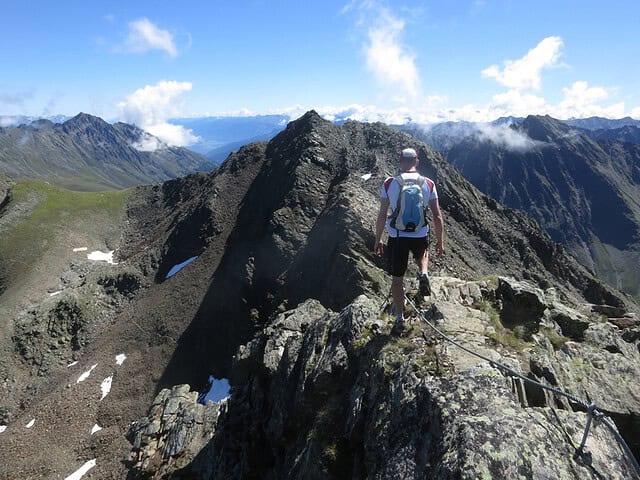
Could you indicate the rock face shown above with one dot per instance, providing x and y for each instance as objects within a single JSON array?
[
  {"x": 285, "y": 300},
  {"x": 5, "y": 197},
  {"x": 334, "y": 395},
  {"x": 174, "y": 431}
]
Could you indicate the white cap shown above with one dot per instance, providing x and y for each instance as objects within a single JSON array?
[{"x": 409, "y": 153}]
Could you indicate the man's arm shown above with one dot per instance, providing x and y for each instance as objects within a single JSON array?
[
  {"x": 380, "y": 224},
  {"x": 438, "y": 224}
]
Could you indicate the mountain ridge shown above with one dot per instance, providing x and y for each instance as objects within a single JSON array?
[
  {"x": 580, "y": 190},
  {"x": 283, "y": 233},
  {"x": 85, "y": 152}
]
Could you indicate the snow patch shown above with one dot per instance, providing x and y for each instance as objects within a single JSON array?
[
  {"x": 99, "y": 256},
  {"x": 86, "y": 374},
  {"x": 366, "y": 176},
  {"x": 80, "y": 249},
  {"x": 96, "y": 428},
  {"x": 30, "y": 424},
  {"x": 2, "y": 428},
  {"x": 120, "y": 359},
  {"x": 78, "y": 474},
  {"x": 53, "y": 294},
  {"x": 176, "y": 268},
  {"x": 72, "y": 364},
  {"x": 105, "y": 387}
]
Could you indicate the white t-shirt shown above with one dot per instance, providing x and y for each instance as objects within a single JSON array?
[{"x": 391, "y": 190}]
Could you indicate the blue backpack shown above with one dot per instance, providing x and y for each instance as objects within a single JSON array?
[{"x": 409, "y": 214}]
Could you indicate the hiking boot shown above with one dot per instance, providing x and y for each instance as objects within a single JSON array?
[
  {"x": 398, "y": 326},
  {"x": 424, "y": 286}
]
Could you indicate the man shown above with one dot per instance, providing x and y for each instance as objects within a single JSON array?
[{"x": 401, "y": 239}]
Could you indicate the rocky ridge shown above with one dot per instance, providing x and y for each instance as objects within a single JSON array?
[
  {"x": 334, "y": 395},
  {"x": 281, "y": 228}
]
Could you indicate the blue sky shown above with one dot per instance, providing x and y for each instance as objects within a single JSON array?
[{"x": 145, "y": 62}]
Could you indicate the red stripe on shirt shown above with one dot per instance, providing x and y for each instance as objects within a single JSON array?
[{"x": 430, "y": 183}]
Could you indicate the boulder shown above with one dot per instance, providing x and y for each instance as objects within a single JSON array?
[
  {"x": 173, "y": 432},
  {"x": 572, "y": 323},
  {"x": 609, "y": 310},
  {"x": 522, "y": 303}
]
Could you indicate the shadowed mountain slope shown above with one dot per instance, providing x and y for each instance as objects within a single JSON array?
[
  {"x": 583, "y": 192},
  {"x": 627, "y": 134}
]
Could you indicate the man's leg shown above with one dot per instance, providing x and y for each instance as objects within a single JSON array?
[
  {"x": 397, "y": 292},
  {"x": 422, "y": 260},
  {"x": 398, "y": 249}
]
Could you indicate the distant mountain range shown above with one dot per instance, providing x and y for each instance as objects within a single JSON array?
[
  {"x": 219, "y": 136},
  {"x": 582, "y": 186},
  {"x": 599, "y": 123},
  {"x": 15, "y": 120},
  {"x": 87, "y": 153},
  {"x": 628, "y": 134}
]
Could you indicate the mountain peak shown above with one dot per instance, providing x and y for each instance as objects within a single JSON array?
[
  {"x": 544, "y": 128},
  {"x": 310, "y": 119},
  {"x": 305, "y": 125},
  {"x": 84, "y": 119}
]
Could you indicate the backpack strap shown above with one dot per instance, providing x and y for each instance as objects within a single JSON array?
[
  {"x": 400, "y": 181},
  {"x": 396, "y": 209}
]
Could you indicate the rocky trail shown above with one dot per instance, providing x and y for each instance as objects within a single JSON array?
[{"x": 336, "y": 395}]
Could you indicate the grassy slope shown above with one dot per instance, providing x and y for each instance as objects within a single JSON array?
[
  {"x": 56, "y": 211},
  {"x": 618, "y": 267}
]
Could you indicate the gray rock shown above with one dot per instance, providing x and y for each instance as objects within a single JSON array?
[
  {"x": 174, "y": 431},
  {"x": 608, "y": 310},
  {"x": 522, "y": 303},
  {"x": 338, "y": 400},
  {"x": 571, "y": 322}
]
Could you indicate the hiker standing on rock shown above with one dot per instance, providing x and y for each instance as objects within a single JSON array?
[{"x": 407, "y": 196}]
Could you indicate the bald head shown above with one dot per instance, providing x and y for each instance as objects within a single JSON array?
[{"x": 408, "y": 159}]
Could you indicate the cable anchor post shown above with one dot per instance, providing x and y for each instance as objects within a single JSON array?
[{"x": 592, "y": 414}]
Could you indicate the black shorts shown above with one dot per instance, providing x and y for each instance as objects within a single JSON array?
[{"x": 398, "y": 249}]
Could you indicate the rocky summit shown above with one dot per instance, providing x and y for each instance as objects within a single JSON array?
[{"x": 283, "y": 298}]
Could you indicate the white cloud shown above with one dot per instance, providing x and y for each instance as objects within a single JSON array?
[
  {"x": 526, "y": 71},
  {"x": 145, "y": 36},
  {"x": 172, "y": 134},
  {"x": 510, "y": 138},
  {"x": 581, "y": 100},
  {"x": 150, "y": 107},
  {"x": 580, "y": 93},
  {"x": 388, "y": 59},
  {"x": 514, "y": 102},
  {"x": 635, "y": 113},
  {"x": 148, "y": 143}
]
